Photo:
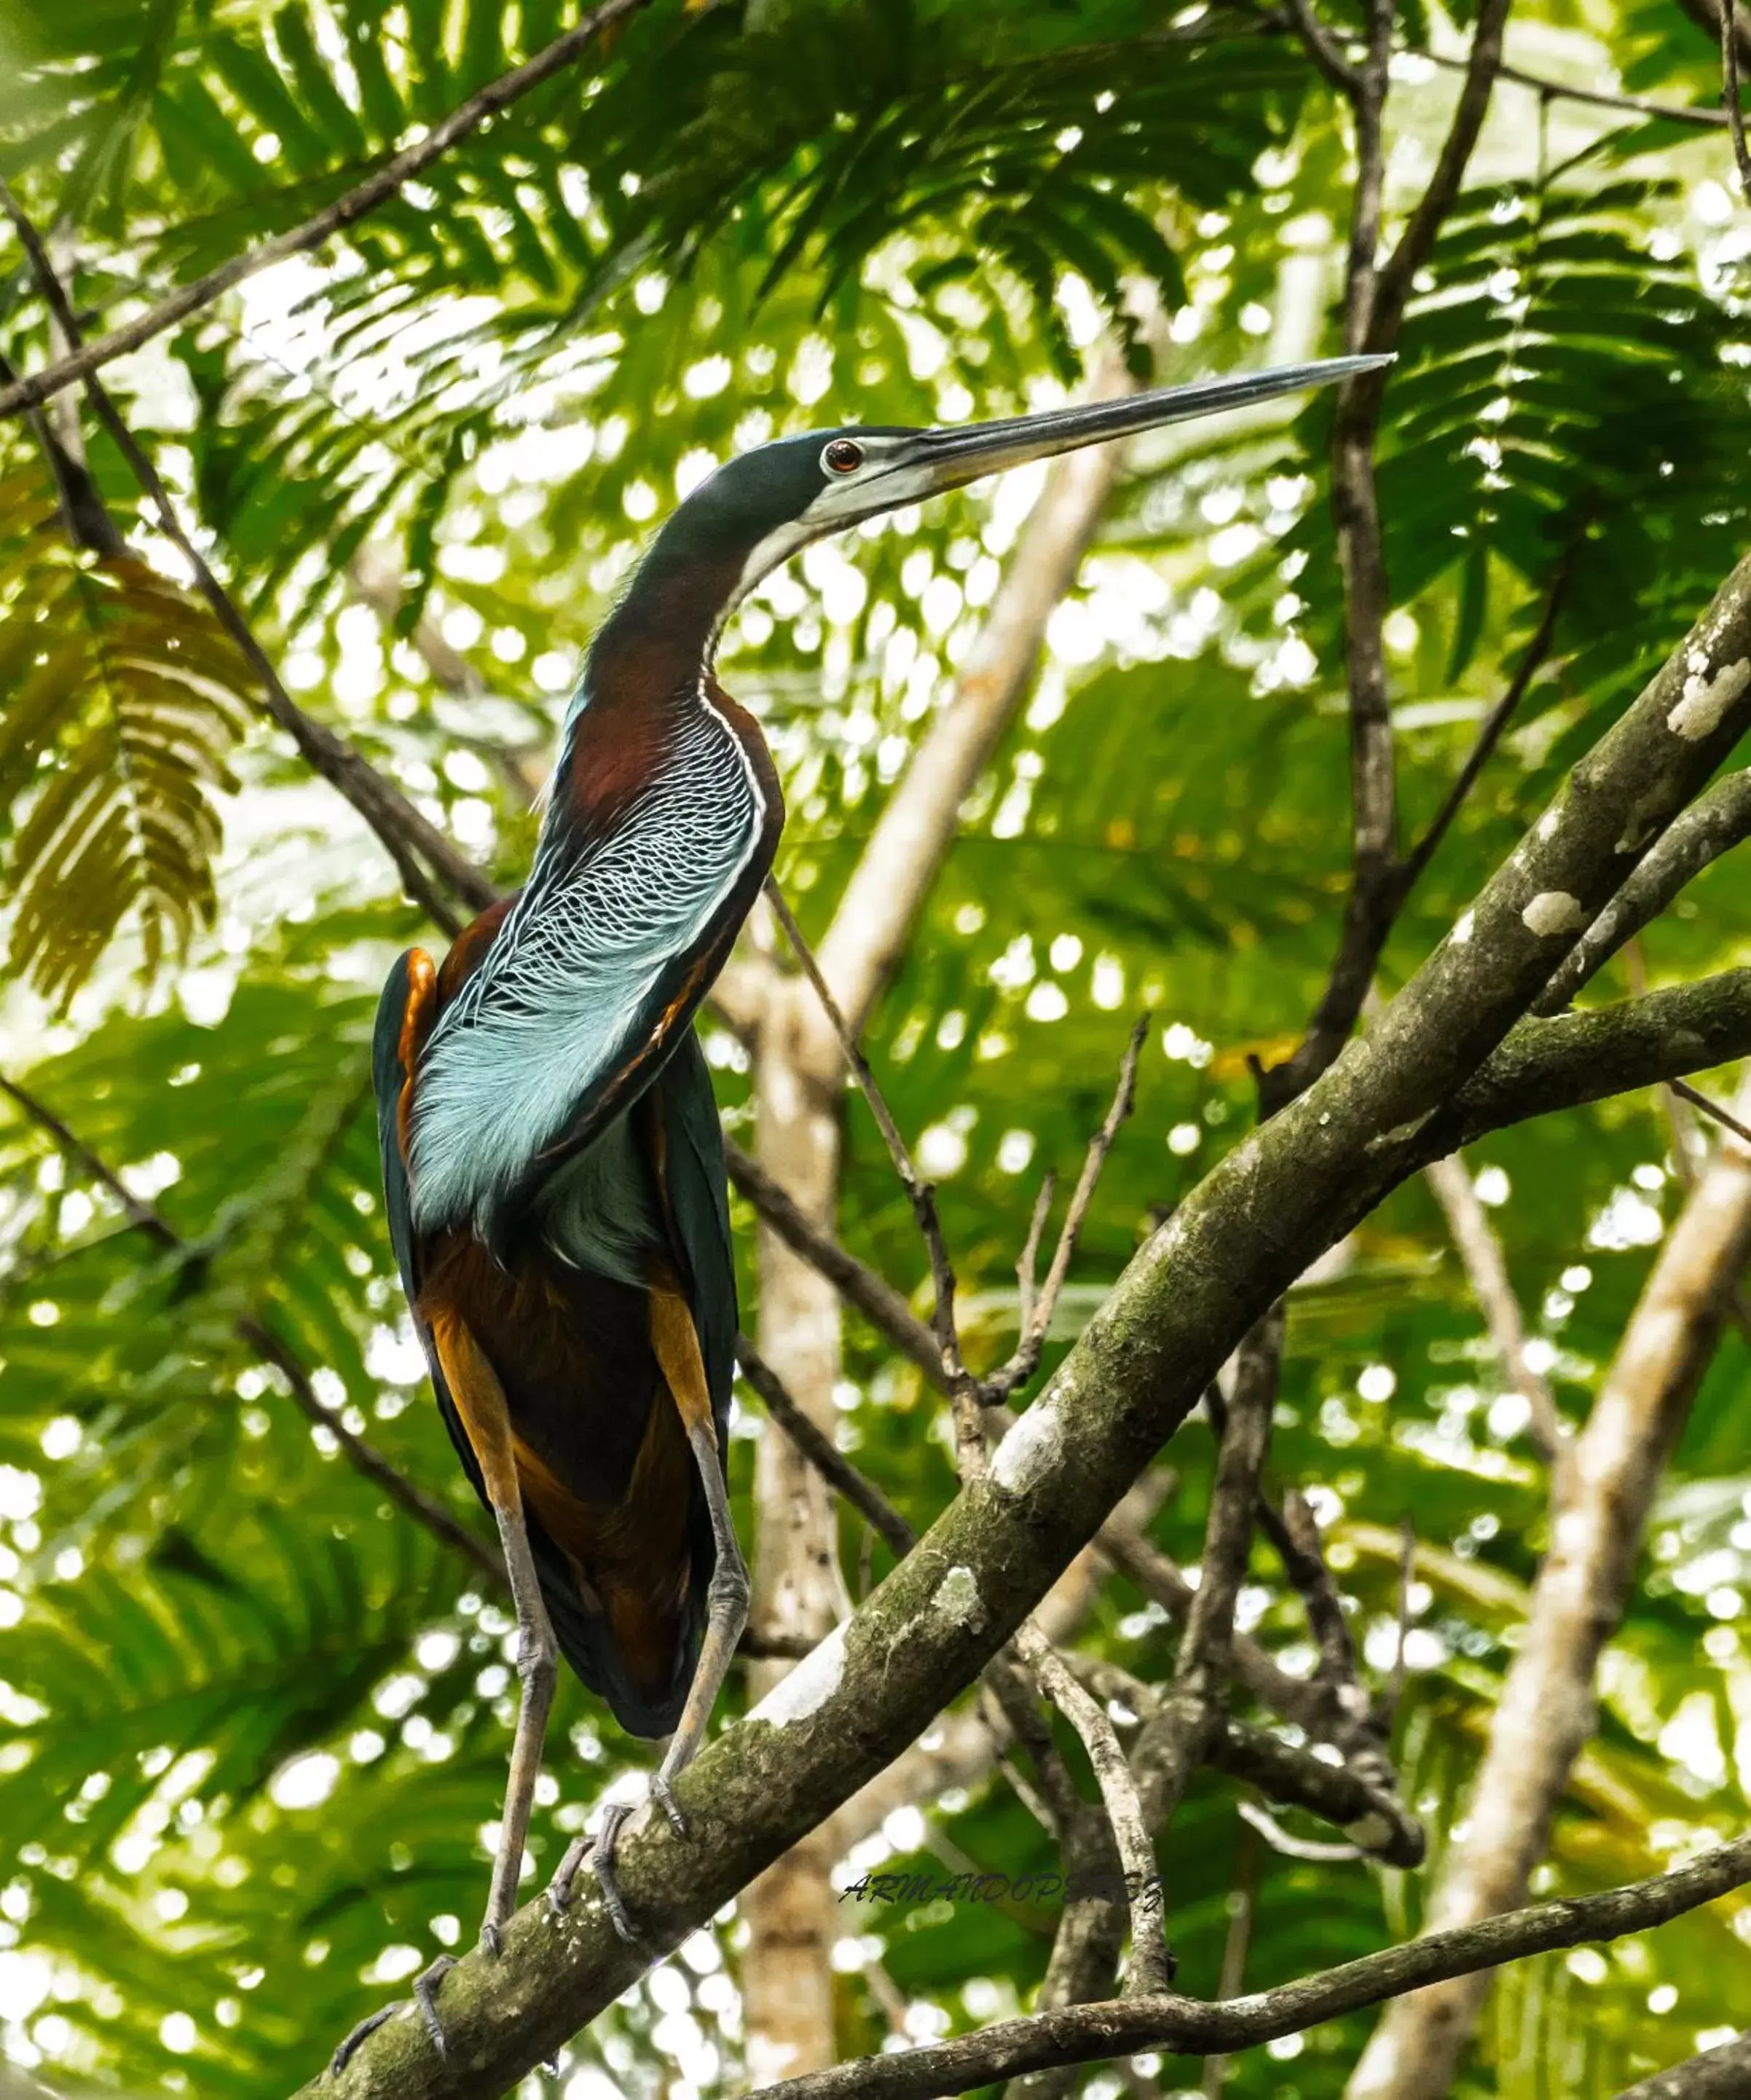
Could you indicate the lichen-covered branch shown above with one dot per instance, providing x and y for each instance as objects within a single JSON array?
[
  {"x": 1189, "y": 2027},
  {"x": 1712, "y": 826}
]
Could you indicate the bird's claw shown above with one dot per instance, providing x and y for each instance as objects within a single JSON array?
[
  {"x": 664, "y": 1797},
  {"x": 425, "y": 1986}
]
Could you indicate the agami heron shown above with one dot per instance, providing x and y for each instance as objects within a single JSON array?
[{"x": 552, "y": 1156}]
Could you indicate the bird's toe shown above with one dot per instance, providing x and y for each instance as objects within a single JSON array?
[
  {"x": 665, "y": 1799},
  {"x": 426, "y": 1986},
  {"x": 368, "y": 2025}
]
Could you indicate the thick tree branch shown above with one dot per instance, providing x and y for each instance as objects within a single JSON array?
[
  {"x": 466, "y": 117},
  {"x": 1712, "y": 825},
  {"x": 1545, "y": 1066},
  {"x": 1189, "y": 2027},
  {"x": 1717, "y": 2074}
]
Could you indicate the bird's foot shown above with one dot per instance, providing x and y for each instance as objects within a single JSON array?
[
  {"x": 599, "y": 1850},
  {"x": 350, "y": 2042},
  {"x": 426, "y": 1987},
  {"x": 663, "y": 1795}
]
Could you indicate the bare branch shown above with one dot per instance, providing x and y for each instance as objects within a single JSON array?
[
  {"x": 922, "y": 1196},
  {"x": 1600, "y": 1502},
  {"x": 1151, "y": 1965},
  {"x": 1036, "y": 1317},
  {"x": 402, "y": 829},
  {"x": 1189, "y": 2026},
  {"x": 1724, "y": 1117},
  {"x": 1712, "y": 825},
  {"x": 1717, "y": 2074},
  {"x": 1416, "y": 244},
  {"x": 1490, "y": 731},
  {"x": 1320, "y": 1851},
  {"x": 823, "y": 1455},
  {"x": 1634, "y": 105},
  {"x": 466, "y": 117},
  {"x": 1323, "y": 48},
  {"x": 1027, "y": 1262},
  {"x": 858, "y": 1285}
]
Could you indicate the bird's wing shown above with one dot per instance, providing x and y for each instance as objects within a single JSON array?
[
  {"x": 589, "y": 985},
  {"x": 403, "y": 1016}
]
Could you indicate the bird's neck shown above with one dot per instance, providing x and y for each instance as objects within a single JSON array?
[{"x": 661, "y": 638}]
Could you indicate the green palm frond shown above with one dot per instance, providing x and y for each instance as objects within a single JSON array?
[{"x": 122, "y": 701}]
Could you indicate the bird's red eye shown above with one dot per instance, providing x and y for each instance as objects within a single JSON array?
[{"x": 843, "y": 456}]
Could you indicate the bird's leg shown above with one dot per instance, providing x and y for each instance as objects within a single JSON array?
[
  {"x": 480, "y": 1401},
  {"x": 677, "y": 1353}
]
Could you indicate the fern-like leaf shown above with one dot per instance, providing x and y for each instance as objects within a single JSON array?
[{"x": 122, "y": 701}]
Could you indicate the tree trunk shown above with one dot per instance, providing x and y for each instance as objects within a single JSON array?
[{"x": 787, "y": 1978}]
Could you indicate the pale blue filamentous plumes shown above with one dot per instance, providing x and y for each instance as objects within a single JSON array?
[{"x": 564, "y": 988}]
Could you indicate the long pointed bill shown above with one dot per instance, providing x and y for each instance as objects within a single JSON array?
[{"x": 949, "y": 458}]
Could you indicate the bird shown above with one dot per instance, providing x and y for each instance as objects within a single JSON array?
[{"x": 553, "y": 1167}]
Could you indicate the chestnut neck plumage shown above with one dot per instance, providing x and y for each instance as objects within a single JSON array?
[{"x": 660, "y": 639}]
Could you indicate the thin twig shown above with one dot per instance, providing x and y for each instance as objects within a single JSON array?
[
  {"x": 468, "y": 116},
  {"x": 1386, "y": 1707},
  {"x": 1416, "y": 244},
  {"x": 1735, "y": 115},
  {"x": 1634, "y": 105},
  {"x": 858, "y": 1285},
  {"x": 968, "y": 1428},
  {"x": 1027, "y": 1263},
  {"x": 1324, "y": 48},
  {"x": 1725, "y": 1117},
  {"x": 1242, "y": 1902},
  {"x": 1490, "y": 732},
  {"x": 1321, "y": 1850},
  {"x": 1486, "y": 1271},
  {"x": 1036, "y": 1316},
  {"x": 823, "y": 1453},
  {"x": 1151, "y": 1965},
  {"x": 399, "y": 825}
]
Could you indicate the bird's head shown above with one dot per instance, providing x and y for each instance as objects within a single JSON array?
[{"x": 760, "y": 507}]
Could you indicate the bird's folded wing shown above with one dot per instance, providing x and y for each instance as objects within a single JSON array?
[{"x": 626, "y": 918}]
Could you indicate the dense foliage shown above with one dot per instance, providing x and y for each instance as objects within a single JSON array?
[{"x": 253, "y": 1716}]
